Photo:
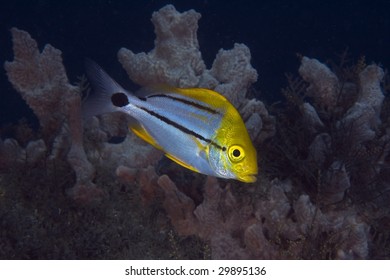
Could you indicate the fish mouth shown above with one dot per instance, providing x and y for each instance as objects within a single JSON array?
[{"x": 248, "y": 178}]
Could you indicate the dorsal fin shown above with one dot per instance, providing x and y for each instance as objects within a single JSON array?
[{"x": 153, "y": 89}]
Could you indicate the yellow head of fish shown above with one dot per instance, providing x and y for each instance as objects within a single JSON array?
[{"x": 237, "y": 159}]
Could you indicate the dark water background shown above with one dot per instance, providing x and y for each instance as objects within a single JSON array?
[{"x": 274, "y": 31}]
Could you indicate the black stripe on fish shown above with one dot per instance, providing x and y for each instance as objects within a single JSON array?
[
  {"x": 188, "y": 102},
  {"x": 182, "y": 128}
]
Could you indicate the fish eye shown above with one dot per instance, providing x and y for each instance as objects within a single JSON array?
[{"x": 236, "y": 153}]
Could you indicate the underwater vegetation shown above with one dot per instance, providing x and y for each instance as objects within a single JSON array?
[{"x": 67, "y": 191}]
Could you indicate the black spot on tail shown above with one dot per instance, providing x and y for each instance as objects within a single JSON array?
[{"x": 119, "y": 99}]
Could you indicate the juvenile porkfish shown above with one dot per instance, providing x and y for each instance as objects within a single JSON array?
[{"x": 195, "y": 127}]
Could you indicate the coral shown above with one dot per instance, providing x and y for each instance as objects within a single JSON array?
[
  {"x": 337, "y": 132},
  {"x": 336, "y": 181},
  {"x": 335, "y": 137},
  {"x": 370, "y": 89},
  {"x": 324, "y": 84},
  {"x": 272, "y": 227},
  {"x": 362, "y": 119},
  {"x": 359, "y": 124},
  {"x": 176, "y": 59},
  {"x": 206, "y": 220},
  {"x": 12, "y": 154},
  {"x": 311, "y": 118},
  {"x": 41, "y": 80},
  {"x": 84, "y": 189},
  {"x": 233, "y": 72},
  {"x": 147, "y": 178}
]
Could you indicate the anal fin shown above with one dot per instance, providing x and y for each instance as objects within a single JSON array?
[
  {"x": 140, "y": 131},
  {"x": 180, "y": 162}
]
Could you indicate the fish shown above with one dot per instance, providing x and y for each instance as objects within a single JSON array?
[{"x": 197, "y": 128}]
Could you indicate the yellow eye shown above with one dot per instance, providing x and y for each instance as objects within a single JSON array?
[{"x": 236, "y": 153}]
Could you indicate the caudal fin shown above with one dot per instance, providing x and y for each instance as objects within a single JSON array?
[{"x": 103, "y": 87}]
